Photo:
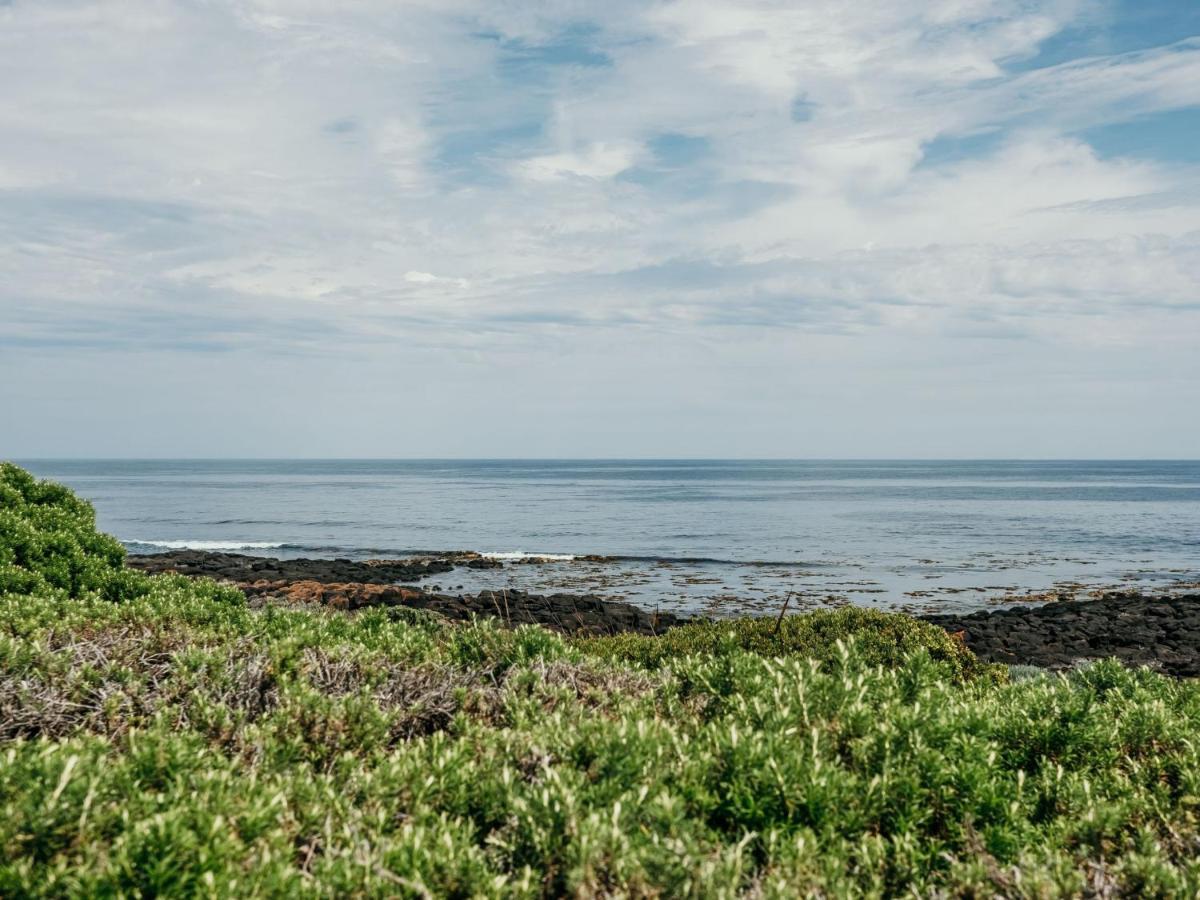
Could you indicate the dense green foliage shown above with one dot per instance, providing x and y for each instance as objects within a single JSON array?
[
  {"x": 182, "y": 743},
  {"x": 880, "y": 639},
  {"x": 48, "y": 540}
]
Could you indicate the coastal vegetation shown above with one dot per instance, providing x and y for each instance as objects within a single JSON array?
[
  {"x": 161, "y": 736},
  {"x": 879, "y": 638}
]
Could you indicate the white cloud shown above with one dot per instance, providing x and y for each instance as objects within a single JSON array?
[
  {"x": 599, "y": 160},
  {"x": 428, "y": 278},
  {"x": 472, "y": 174}
]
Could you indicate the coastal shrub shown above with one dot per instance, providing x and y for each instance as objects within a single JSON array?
[
  {"x": 49, "y": 542},
  {"x": 48, "y": 539},
  {"x": 154, "y": 749},
  {"x": 879, "y": 639}
]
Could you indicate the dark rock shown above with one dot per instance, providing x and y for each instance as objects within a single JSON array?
[
  {"x": 1163, "y": 632},
  {"x": 242, "y": 569},
  {"x": 349, "y": 585},
  {"x": 483, "y": 562}
]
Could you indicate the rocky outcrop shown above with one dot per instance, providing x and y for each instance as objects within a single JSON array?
[
  {"x": 567, "y": 613},
  {"x": 350, "y": 585},
  {"x": 1161, "y": 632},
  {"x": 242, "y": 569}
]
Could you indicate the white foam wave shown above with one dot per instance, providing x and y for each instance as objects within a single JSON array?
[
  {"x": 521, "y": 554},
  {"x": 209, "y": 545}
]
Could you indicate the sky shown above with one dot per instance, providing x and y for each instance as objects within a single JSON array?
[{"x": 701, "y": 228}]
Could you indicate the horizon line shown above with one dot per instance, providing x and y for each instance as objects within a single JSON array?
[{"x": 39, "y": 459}]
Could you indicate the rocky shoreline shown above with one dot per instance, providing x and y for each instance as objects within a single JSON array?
[
  {"x": 350, "y": 585},
  {"x": 1162, "y": 632}
]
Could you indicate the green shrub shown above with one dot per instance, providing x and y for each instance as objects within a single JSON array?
[
  {"x": 879, "y": 638},
  {"x": 306, "y": 753},
  {"x": 49, "y": 543},
  {"x": 48, "y": 540}
]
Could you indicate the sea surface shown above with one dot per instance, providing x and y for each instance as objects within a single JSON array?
[{"x": 721, "y": 536}]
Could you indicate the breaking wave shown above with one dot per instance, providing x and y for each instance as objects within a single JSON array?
[{"x": 521, "y": 554}]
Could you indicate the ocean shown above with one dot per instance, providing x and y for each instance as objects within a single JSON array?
[{"x": 720, "y": 536}]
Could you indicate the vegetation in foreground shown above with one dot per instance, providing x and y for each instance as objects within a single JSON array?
[{"x": 158, "y": 737}]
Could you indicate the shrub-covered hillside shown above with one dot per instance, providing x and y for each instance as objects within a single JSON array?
[{"x": 160, "y": 737}]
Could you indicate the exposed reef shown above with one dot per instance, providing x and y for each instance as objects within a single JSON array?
[
  {"x": 1162, "y": 632},
  {"x": 350, "y": 585}
]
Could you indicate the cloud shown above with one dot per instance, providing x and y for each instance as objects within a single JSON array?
[
  {"x": 276, "y": 178},
  {"x": 427, "y": 278},
  {"x": 595, "y": 161}
]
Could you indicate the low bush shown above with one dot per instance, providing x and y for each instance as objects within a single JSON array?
[
  {"x": 879, "y": 638},
  {"x": 149, "y": 748},
  {"x": 49, "y": 546},
  {"x": 48, "y": 540}
]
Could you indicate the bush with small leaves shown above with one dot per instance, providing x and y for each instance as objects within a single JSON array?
[
  {"x": 49, "y": 542},
  {"x": 48, "y": 539},
  {"x": 880, "y": 638}
]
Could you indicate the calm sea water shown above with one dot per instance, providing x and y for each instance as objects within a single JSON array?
[{"x": 725, "y": 535}]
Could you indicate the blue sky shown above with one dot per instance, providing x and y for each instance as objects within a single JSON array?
[{"x": 695, "y": 228}]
